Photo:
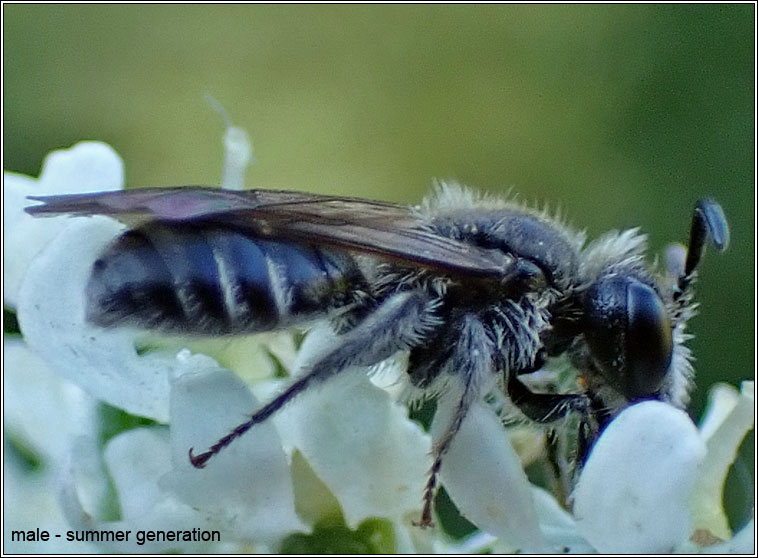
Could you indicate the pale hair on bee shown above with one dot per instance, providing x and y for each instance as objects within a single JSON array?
[{"x": 476, "y": 292}]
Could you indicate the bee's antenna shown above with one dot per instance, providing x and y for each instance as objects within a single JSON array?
[{"x": 708, "y": 220}]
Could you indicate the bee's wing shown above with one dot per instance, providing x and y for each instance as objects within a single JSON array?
[
  {"x": 183, "y": 203},
  {"x": 386, "y": 229}
]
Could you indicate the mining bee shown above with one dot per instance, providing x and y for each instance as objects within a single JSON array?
[{"x": 478, "y": 291}]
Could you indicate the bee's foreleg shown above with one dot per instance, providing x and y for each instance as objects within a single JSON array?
[
  {"x": 549, "y": 407},
  {"x": 400, "y": 322},
  {"x": 544, "y": 407},
  {"x": 470, "y": 366}
]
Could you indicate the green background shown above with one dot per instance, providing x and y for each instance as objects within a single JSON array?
[{"x": 622, "y": 115}]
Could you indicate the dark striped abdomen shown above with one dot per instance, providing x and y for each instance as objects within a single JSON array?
[{"x": 210, "y": 279}]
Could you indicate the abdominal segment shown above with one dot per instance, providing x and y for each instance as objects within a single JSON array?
[{"x": 207, "y": 278}]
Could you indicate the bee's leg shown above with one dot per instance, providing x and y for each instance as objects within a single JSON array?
[
  {"x": 589, "y": 430},
  {"x": 470, "y": 364},
  {"x": 544, "y": 407},
  {"x": 400, "y": 322},
  {"x": 595, "y": 420}
]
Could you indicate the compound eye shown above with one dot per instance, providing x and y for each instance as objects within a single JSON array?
[
  {"x": 629, "y": 335},
  {"x": 649, "y": 341}
]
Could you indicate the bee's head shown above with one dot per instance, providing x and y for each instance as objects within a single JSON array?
[{"x": 629, "y": 321}]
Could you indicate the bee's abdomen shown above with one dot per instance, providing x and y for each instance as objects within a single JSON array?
[{"x": 211, "y": 279}]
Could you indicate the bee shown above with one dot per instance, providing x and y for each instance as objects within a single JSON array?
[{"x": 479, "y": 292}]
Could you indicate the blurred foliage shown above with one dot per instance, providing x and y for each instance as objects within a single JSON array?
[
  {"x": 450, "y": 519},
  {"x": 10, "y": 322},
  {"x": 373, "y": 536},
  {"x": 114, "y": 421},
  {"x": 17, "y": 449},
  {"x": 622, "y": 115}
]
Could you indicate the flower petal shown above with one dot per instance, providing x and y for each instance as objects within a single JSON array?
[
  {"x": 361, "y": 445},
  {"x": 247, "y": 487},
  {"x": 87, "y": 166},
  {"x": 29, "y": 501},
  {"x": 730, "y": 416},
  {"x": 484, "y": 477},
  {"x": 135, "y": 460},
  {"x": 634, "y": 493},
  {"x": 238, "y": 153},
  {"x": 51, "y": 314},
  {"x": 558, "y": 525},
  {"x": 44, "y": 410}
]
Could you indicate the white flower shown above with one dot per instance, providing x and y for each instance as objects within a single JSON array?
[
  {"x": 634, "y": 493},
  {"x": 342, "y": 459},
  {"x": 652, "y": 484},
  {"x": 88, "y": 166},
  {"x": 45, "y": 417}
]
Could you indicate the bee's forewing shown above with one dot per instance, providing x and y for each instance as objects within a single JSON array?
[{"x": 372, "y": 227}]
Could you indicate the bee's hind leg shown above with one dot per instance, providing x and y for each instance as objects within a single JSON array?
[{"x": 400, "y": 322}]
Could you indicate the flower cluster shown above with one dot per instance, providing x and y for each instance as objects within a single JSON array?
[{"x": 341, "y": 468}]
